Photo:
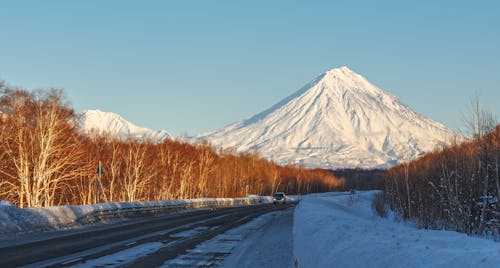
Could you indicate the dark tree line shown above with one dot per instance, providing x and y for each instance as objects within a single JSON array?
[
  {"x": 457, "y": 187},
  {"x": 361, "y": 179}
]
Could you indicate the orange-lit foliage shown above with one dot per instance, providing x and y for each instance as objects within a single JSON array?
[
  {"x": 46, "y": 161},
  {"x": 456, "y": 187}
]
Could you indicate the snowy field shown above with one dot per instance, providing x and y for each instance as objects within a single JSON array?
[
  {"x": 340, "y": 230},
  {"x": 335, "y": 230}
]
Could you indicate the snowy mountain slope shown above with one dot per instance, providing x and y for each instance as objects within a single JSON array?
[
  {"x": 338, "y": 120},
  {"x": 112, "y": 123}
]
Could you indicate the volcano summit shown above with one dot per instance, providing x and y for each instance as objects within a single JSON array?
[{"x": 339, "y": 120}]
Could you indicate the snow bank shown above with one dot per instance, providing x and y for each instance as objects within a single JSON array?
[
  {"x": 14, "y": 220},
  {"x": 341, "y": 230},
  {"x": 5, "y": 203}
]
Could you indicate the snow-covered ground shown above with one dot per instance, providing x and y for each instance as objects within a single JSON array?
[
  {"x": 335, "y": 230},
  {"x": 341, "y": 230},
  {"x": 329, "y": 230}
]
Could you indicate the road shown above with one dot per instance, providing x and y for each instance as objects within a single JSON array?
[
  {"x": 151, "y": 242},
  {"x": 266, "y": 241},
  {"x": 267, "y": 244}
]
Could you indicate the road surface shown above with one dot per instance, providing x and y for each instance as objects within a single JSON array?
[{"x": 151, "y": 242}]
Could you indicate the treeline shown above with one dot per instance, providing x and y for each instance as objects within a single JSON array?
[
  {"x": 456, "y": 187},
  {"x": 45, "y": 161},
  {"x": 361, "y": 179}
]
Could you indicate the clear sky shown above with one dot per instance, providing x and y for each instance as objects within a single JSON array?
[{"x": 195, "y": 66}]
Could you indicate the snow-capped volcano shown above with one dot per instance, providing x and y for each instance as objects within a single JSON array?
[
  {"x": 339, "y": 120},
  {"x": 111, "y": 123}
]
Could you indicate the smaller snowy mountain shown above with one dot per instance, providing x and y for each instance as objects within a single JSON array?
[{"x": 92, "y": 121}]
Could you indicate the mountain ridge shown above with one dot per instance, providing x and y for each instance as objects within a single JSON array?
[
  {"x": 338, "y": 120},
  {"x": 115, "y": 125}
]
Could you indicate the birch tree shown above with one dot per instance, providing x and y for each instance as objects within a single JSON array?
[{"x": 41, "y": 144}]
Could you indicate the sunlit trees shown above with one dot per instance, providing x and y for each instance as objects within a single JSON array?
[
  {"x": 456, "y": 187},
  {"x": 46, "y": 161},
  {"x": 40, "y": 145}
]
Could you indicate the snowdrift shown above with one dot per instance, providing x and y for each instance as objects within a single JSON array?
[
  {"x": 14, "y": 220},
  {"x": 342, "y": 230}
]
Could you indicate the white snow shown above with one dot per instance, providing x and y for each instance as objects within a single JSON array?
[
  {"x": 341, "y": 230},
  {"x": 15, "y": 221},
  {"x": 326, "y": 230},
  {"x": 92, "y": 121},
  {"x": 338, "y": 120},
  {"x": 335, "y": 230},
  {"x": 5, "y": 203}
]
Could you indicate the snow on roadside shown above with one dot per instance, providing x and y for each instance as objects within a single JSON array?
[
  {"x": 340, "y": 230},
  {"x": 14, "y": 220},
  {"x": 269, "y": 244},
  {"x": 265, "y": 241},
  {"x": 5, "y": 203}
]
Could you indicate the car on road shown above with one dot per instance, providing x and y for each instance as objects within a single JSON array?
[{"x": 279, "y": 197}]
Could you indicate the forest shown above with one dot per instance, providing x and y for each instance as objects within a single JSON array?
[
  {"x": 360, "y": 179},
  {"x": 456, "y": 187},
  {"x": 45, "y": 161}
]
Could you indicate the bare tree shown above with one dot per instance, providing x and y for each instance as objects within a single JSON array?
[
  {"x": 44, "y": 160},
  {"x": 478, "y": 121},
  {"x": 41, "y": 145},
  {"x": 136, "y": 174}
]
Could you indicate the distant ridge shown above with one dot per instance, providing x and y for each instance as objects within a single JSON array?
[
  {"x": 115, "y": 125},
  {"x": 339, "y": 120}
]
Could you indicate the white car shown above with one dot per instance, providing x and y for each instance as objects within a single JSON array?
[{"x": 279, "y": 197}]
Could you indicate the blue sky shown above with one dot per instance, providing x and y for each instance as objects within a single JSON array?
[{"x": 195, "y": 66}]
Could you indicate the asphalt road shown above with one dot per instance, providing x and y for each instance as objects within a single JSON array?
[
  {"x": 80, "y": 246},
  {"x": 269, "y": 245}
]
